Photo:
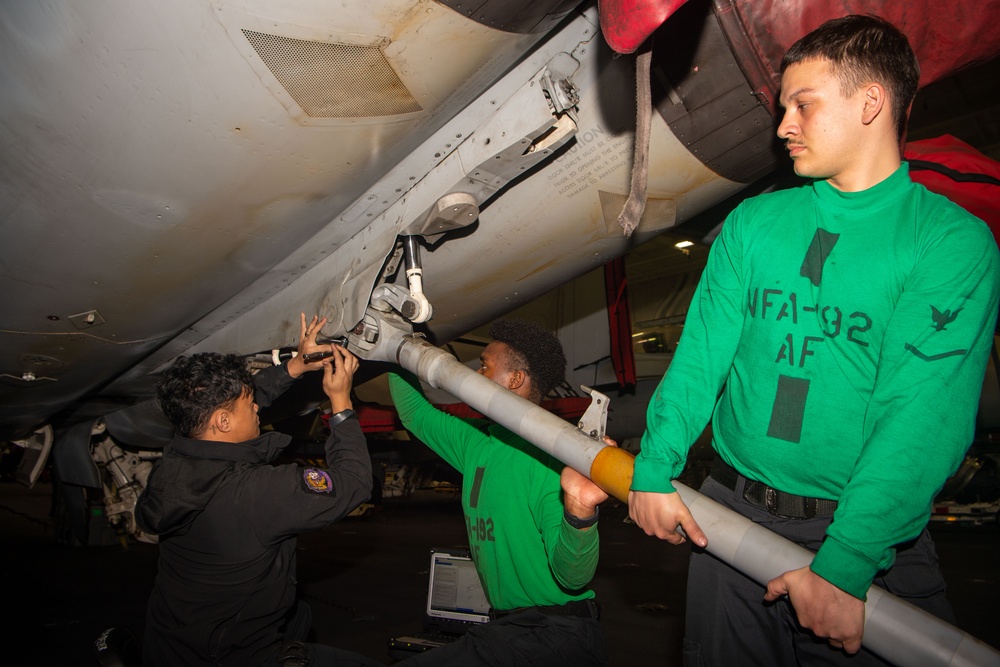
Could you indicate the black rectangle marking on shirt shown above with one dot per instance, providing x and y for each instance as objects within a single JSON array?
[
  {"x": 819, "y": 249},
  {"x": 477, "y": 482},
  {"x": 789, "y": 408}
]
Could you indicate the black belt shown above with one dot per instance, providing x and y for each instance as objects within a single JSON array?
[
  {"x": 581, "y": 608},
  {"x": 778, "y": 503}
]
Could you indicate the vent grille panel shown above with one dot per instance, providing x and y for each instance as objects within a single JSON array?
[{"x": 329, "y": 80}]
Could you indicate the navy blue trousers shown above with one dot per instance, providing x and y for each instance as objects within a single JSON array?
[
  {"x": 728, "y": 623},
  {"x": 525, "y": 639}
]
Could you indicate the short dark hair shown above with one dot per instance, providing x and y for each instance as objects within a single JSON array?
[
  {"x": 863, "y": 49},
  {"x": 538, "y": 352},
  {"x": 194, "y": 387}
]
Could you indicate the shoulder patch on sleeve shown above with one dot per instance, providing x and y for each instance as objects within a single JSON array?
[{"x": 317, "y": 480}]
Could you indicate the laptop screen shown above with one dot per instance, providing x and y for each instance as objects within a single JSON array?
[{"x": 454, "y": 591}]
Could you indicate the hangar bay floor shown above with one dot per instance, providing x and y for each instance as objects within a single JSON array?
[{"x": 365, "y": 579}]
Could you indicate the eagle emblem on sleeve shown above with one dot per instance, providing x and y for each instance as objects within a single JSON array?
[{"x": 941, "y": 319}]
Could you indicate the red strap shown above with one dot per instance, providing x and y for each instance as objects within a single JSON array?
[{"x": 619, "y": 322}]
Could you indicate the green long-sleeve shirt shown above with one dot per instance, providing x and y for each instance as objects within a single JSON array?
[
  {"x": 848, "y": 334},
  {"x": 525, "y": 552}
]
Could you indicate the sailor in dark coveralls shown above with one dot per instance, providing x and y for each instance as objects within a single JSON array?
[{"x": 228, "y": 520}]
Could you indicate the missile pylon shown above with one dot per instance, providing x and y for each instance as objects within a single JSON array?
[{"x": 894, "y": 629}]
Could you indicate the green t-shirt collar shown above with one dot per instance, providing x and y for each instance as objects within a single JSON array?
[{"x": 878, "y": 196}]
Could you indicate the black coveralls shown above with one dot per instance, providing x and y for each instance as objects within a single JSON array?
[{"x": 228, "y": 524}]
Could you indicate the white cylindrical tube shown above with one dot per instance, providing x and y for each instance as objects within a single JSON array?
[{"x": 894, "y": 629}]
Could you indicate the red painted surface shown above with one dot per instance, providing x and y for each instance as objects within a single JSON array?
[
  {"x": 967, "y": 177},
  {"x": 946, "y": 37},
  {"x": 627, "y": 23}
]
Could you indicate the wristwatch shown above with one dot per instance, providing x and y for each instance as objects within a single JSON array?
[
  {"x": 343, "y": 415},
  {"x": 579, "y": 523}
]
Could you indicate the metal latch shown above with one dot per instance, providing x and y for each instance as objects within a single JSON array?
[{"x": 594, "y": 421}]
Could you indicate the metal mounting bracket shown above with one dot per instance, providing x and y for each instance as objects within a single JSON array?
[{"x": 594, "y": 421}]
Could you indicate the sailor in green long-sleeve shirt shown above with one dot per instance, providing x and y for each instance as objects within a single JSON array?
[
  {"x": 838, "y": 341},
  {"x": 531, "y": 521}
]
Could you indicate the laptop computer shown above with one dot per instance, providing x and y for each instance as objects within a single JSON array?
[{"x": 455, "y": 603}]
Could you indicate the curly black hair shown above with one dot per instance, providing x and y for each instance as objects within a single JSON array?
[
  {"x": 538, "y": 352},
  {"x": 194, "y": 387}
]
